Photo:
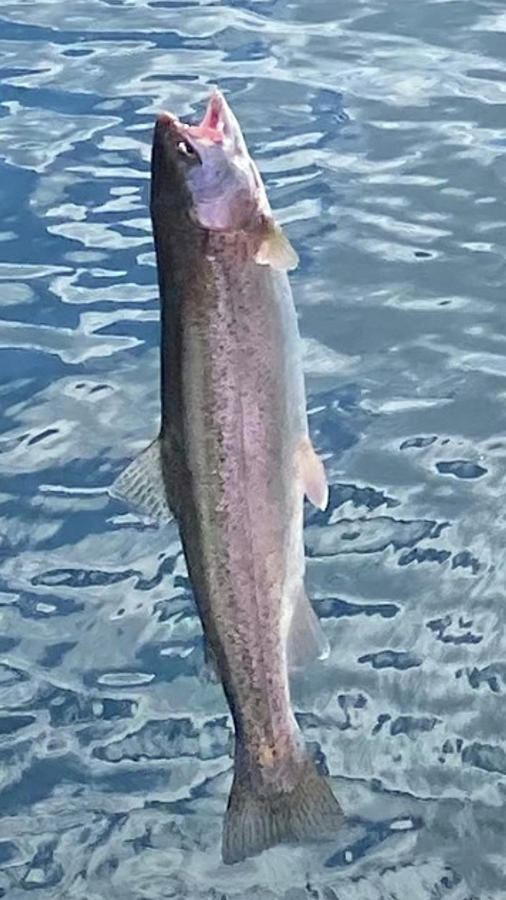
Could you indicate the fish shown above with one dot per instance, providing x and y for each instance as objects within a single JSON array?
[{"x": 233, "y": 462}]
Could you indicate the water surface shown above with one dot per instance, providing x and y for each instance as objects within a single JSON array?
[{"x": 379, "y": 128}]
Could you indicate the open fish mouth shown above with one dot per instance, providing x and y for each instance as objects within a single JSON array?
[{"x": 216, "y": 124}]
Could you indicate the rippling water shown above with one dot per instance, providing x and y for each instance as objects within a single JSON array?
[{"x": 380, "y": 130}]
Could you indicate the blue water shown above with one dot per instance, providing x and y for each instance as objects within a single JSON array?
[{"x": 380, "y": 131}]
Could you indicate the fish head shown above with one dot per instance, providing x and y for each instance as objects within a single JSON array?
[{"x": 223, "y": 186}]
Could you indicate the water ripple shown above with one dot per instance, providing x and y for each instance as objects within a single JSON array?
[{"x": 379, "y": 130}]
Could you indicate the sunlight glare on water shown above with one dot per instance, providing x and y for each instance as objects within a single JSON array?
[{"x": 380, "y": 131}]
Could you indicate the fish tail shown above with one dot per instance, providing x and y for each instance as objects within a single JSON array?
[{"x": 258, "y": 818}]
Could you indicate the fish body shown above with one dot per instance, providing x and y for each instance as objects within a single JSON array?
[{"x": 234, "y": 460}]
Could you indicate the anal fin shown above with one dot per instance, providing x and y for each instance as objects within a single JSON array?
[
  {"x": 313, "y": 474},
  {"x": 306, "y": 638},
  {"x": 142, "y": 485}
]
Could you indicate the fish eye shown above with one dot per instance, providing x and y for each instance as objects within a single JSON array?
[{"x": 186, "y": 149}]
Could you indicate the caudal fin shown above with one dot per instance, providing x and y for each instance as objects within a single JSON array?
[{"x": 257, "y": 819}]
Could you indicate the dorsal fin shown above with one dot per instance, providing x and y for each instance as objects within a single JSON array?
[{"x": 142, "y": 485}]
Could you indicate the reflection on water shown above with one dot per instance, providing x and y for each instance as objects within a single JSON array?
[{"x": 379, "y": 129}]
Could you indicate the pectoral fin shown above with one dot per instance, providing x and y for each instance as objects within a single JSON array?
[
  {"x": 141, "y": 484},
  {"x": 275, "y": 249},
  {"x": 313, "y": 474},
  {"x": 306, "y": 639}
]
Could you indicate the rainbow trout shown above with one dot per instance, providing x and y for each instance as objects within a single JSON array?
[{"x": 233, "y": 461}]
